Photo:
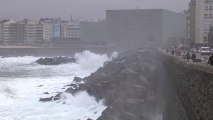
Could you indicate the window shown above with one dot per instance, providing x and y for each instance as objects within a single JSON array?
[
  {"x": 210, "y": 7},
  {"x": 205, "y": 15},
  {"x": 210, "y": 15},
  {"x": 206, "y": 7}
]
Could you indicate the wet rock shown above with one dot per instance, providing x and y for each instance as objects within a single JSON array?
[
  {"x": 78, "y": 79},
  {"x": 52, "y": 98},
  {"x": 46, "y": 99},
  {"x": 75, "y": 88},
  {"x": 46, "y": 93},
  {"x": 55, "y": 60},
  {"x": 40, "y": 85},
  {"x": 127, "y": 84}
]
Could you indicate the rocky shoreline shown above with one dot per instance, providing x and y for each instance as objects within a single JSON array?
[
  {"x": 55, "y": 60},
  {"x": 127, "y": 84}
]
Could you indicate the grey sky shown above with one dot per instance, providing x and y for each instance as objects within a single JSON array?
[{"x": 81, "y": 9}]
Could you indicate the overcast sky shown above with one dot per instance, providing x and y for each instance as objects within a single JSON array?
[{"x": 80, "y": 9}]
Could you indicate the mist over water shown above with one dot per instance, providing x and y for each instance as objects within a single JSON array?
[{"x": 23, "y": 82}]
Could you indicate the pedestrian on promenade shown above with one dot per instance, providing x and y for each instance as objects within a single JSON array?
[
  {"x": 173, "y": 52},
  {"x": 167, "y": 51},
  {"x": 187, "y": 56},
  {"x": 210, "y": 61},
  {"x": 193, "y": 57}
]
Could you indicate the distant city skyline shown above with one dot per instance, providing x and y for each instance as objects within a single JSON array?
[{"x": 80, "y": 9}]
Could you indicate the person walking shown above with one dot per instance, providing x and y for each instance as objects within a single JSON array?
[
  {"x": 193, "y": 57},
  {"x": 210, "y": 61},
  {"x": 187, "y": 56}
]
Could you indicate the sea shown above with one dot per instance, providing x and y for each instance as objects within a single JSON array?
[{"x": 23, "y": 82}]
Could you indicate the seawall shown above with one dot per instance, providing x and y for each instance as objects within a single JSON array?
[{"x": 193, "y": 85}]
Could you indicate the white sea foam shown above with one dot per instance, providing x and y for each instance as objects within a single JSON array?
[{"x": 23, "y": 83}]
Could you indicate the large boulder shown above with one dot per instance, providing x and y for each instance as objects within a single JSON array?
[{"x": 55, "y": 60}]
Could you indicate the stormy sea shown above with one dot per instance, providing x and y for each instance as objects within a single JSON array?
[{"x": 23, "y": 82}]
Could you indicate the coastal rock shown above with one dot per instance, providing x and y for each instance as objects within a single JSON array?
[
  {"x": 46, "y": 93},
  {"x": 52, "y": 98},
  {"x": 78, "y": 80},
  {"x": 127, "y": 84},
  {"x": 55, "y": 60}
]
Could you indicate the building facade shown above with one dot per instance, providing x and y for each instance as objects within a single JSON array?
[
  {"x": 33, "y": 33},
  {"x": 47, "y": 31},
  {"x": 11, "y": 32},
  {"x": 70, "y": 29},
  {"x": 201, "y": 19},
  {"x": 57, "y": 28}
]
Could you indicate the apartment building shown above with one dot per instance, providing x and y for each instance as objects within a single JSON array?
[
  {"x": 33, "y": 32},
  {"x": 70, "y": 29},
  {"x": 47, "y": 29},
  {"x": 201, "y": 19}
]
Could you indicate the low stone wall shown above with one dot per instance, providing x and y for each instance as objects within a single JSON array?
[{"x": 193, "y": 84}]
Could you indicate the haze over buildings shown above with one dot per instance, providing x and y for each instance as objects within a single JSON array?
[
  {"x": 81, "y": 9},
  {"x": 148, "y": 27}
]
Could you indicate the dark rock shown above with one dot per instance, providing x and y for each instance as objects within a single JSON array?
[
  {"x": 55, "y": 60},
  {"x": 52, "y": 98},
  {"x": 46, "y": 93},
  {"x": 75, "y": 88},
  {"x": 40, "y": 85},
  {"x": 127, "y": 84},
  {"x": 77, "y": 79},
  {"x": 46, "y": 99}
]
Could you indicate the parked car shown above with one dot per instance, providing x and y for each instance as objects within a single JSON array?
[
  {"x": 205, "y": 51},
  {"x": 195, "y": 50}
]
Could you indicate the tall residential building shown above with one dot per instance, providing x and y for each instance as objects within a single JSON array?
[
  {"x": 11, "y": 32},
  {"x": 138, "y": 28},
  {"x": 192, "y": 23},
  {"x": 33, "y": 32},
  {"x": 201, "y": 19},
  {"x": 47, "y": 29},
  {"x": 57, "y": 28},
  {"x": 70, "y": 29},
  {"x": 73, "y": 29},
  {"x": 8, "y": 31},
  {"x": 7, "y": 35}
]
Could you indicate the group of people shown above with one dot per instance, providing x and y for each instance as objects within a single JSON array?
[{"x": 193, "y": 57}]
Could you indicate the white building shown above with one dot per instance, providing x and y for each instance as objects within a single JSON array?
[
  {"x": 5, "y": 31},
  {"x": 33, "y": 32},
  {"x": 70, "y": 29},
  {"x": 201, "y": 19},
  {"x": 47, "y": 31}
]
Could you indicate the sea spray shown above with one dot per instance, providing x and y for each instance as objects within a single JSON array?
[{"x": 27, "y": 82}]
